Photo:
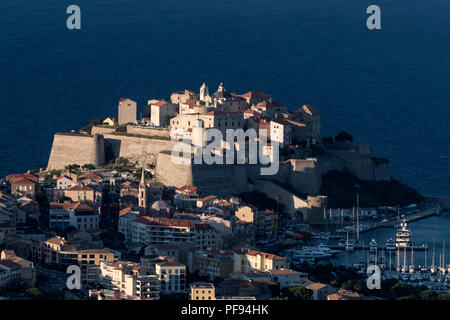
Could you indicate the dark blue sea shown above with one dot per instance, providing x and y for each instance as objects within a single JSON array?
[{"x": 389, "y": 87}]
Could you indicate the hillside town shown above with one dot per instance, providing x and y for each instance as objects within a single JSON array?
[{"x": 141, "y": 228}]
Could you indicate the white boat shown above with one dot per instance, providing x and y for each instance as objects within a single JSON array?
[
  {"x": 403, "y": 237},
  {"x": 390, "y": 244},
  {"x": 322, "y": 236},
  {"x": 373, "y": 247},
  {"x": 349, "y": 244},
  {"x": 312, "y": 253},
  {"x": 323, "y": 247}
]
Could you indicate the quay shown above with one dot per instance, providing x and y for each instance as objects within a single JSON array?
[
  {"x": 379, "y": 248},
  {"x": 433, "y": 211}
]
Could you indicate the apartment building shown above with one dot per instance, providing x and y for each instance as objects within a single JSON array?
[
  {"x": 172, "y": 276},
  {"x": 10, "y": 273},
  {"x": 90, "y": 259},
  {"x": 205, "y": 236},
  {"x": 82, "y": 192},
  {"x": 28, "y": 271},
  {"x": 80, "y": 215},
  {"x": 148, "y": 230},
  {"x": 213, "y": 263},
  {"x": 126, "y": 218},
  {"x": 253, "y": 260},
  {"x": 132, "y": 280},
  {"x": 265, "y": 222},
  {"x": 59, "y": 252},
  {"x": 203, "y": 291},
  {"x": 288, "y": 277},
  {"x": 23, "y": 186}
]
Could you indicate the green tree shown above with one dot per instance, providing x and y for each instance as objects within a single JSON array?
[
  {"x": 344, "y": 136},
  {"x": 93, "y": 122},
  {"x": 88, "y": 166},
  {"x": 297, "y": 293},
  {"x": 34, "y": 293},
  {"x": 61, "y": 198},
  {"x": 443, "y": 296},
  {"x": 42, "y": 200},
  {"x": 428, "y": 295},
  {"x": 72, "y": 167},
  {"x": 402, "y": 290}
]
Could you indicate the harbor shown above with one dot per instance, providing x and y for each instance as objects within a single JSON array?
[{"x": 412, "y": 250}]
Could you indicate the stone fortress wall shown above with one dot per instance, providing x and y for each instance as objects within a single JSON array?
[
  {"x": 76, "y": 148},
  {"x": 145, "y": 145}
]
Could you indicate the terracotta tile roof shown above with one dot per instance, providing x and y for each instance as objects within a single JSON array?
[
  {"x": 187, "y": 188},
  {"x": 203, "y": 226},
  {"x": 57, "y": 205},
  {"x": 23, "y": 181},
  {"x": 98, "y": 251},
  {"x": 283, "y": 271},
  {"x": 76, "y": 206},
  {"x": 165, "y": 222},
  {"x": 21, "y": 175},
  {"x": 170, "y": 264},
  {"x": 125, "y": 211},
  {"x": 9, "y": 264},
  {"x": 56, "y": 240},
  {"x": 207, "y": 198},
  {"x": 89, "y": 175},
  {"x": 80, "y": 187},
  {"x": 255, "y": 94},
  {"x": 86, "y": 205},
  {"x": 316, "y": 286},
  {"x": 159, "y": 103},
  {"x": 269, "y": 256}
]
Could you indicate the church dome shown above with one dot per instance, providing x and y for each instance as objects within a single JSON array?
[{"x": 161, "y": 205}]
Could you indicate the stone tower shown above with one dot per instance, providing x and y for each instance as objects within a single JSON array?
[
  {"x": 142, "y": 193},
  {"x": 127, "y": 111},
  {"x": 204, "y": 92}
]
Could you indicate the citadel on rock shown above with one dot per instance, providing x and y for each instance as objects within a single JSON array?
[{"x": 304, "y": 157}]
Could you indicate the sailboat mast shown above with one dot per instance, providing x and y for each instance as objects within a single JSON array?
[
  {"x": 390, "y": 260},
  {"x": 357, "y": 216},
  {"x": 434, "y": 249},
  {"x": 404, "y": 257}
]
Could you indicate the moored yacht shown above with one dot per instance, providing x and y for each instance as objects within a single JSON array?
[
  {"x": 403, "y": 237},
  {"x": 373, "y": 246},
  {"x": 349, "y": 244},
  {"x": 390, "y": 244}
]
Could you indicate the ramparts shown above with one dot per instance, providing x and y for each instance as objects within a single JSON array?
[{"x": 76, "y": 148}]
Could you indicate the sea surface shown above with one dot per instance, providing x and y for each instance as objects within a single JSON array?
[{"x": 389, "y": 88}]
